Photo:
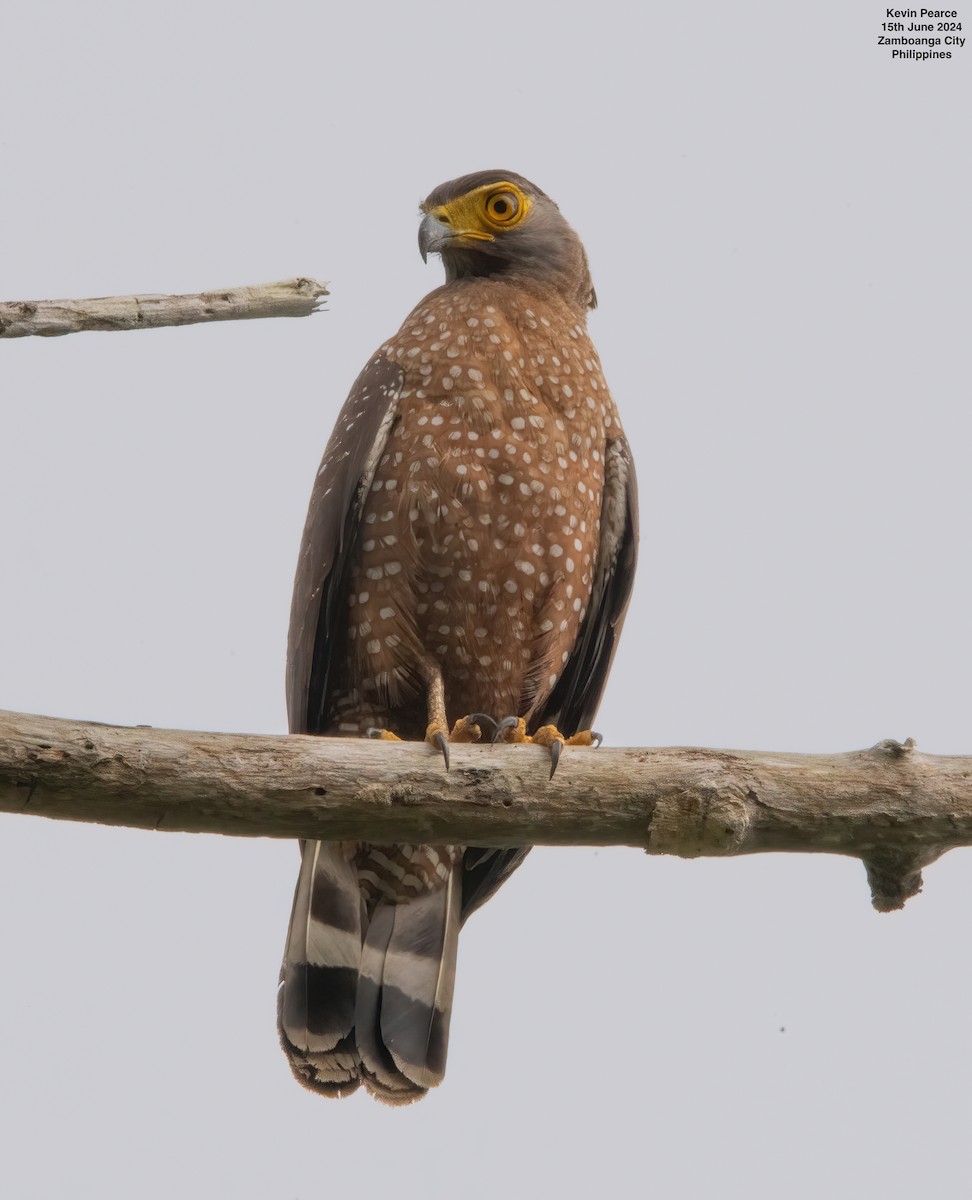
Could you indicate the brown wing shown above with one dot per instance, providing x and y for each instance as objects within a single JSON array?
[
  {"x": 574, "y": 700},
  {"x": 317, "y": 646}
]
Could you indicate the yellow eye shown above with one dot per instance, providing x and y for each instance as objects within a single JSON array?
[{"x": 503, "y": 207}]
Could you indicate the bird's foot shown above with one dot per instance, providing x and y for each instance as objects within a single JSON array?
[
  {"x": 550, "y": 735},
  {"x": 472, "y": 728},
  {"x": 513, "y": 729},
  {"x": 466, "y": 729},
  {"x": 383, "y": 735}
]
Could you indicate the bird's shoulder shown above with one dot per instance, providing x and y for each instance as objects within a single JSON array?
[
  {"x": 493, "y": 321},
  {"x": 488, "y": 303}
]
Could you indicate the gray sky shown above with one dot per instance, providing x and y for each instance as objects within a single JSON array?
[{"x": 777, "y": 219}]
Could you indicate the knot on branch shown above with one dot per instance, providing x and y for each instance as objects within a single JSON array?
[
  {"x": 893, "y": 749},
  {"x": 894, "y": 876}
]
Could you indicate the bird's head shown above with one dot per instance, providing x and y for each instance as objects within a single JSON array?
[{"x": 498, "y": 224}]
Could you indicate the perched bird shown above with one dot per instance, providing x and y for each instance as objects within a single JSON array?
[{"x": 469, "y": 550}]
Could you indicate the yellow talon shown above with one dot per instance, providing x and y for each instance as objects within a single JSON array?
[
  {"x": 586, "y": 737},
  {"x": 382, "y": 735},
  {"x": 512, "y": 730},
  {"x": 437, "y": 735},
  {"x": 465, "y": 730},
  {"x": 546, "y": 735}
]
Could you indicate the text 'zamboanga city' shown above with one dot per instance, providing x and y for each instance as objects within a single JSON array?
[{"x": 917, "y": 33}]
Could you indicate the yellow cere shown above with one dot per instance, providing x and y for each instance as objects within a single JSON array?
[{"x": 486, "y": 211}]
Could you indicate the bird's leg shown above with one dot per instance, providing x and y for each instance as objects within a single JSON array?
[
  {"x": 513, "y": 729},
  {"x": 437, "y": 734},
  {"x": 437, "y": 730}
]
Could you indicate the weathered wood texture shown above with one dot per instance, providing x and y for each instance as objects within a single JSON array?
[
  {"x": 896, "y": 809},
  {"x": 52, "y": 318}
]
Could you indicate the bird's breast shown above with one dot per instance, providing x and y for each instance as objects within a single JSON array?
[{"x": 480, "y": 533}]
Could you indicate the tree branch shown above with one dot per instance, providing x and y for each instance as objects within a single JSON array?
[
  {"x": 894, "y": 808},
  {"x": 51, "y": 318}
]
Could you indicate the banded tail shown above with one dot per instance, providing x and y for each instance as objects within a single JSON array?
[{"x": 369, "y": 970}]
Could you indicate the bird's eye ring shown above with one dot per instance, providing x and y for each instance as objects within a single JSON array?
[{"x": 502, "y": 207}]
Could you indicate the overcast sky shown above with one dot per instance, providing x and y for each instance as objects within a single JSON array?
[{"x": 777, "y": 216}]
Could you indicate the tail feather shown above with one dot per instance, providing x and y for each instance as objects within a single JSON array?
[
  {"x": 319, "y": 976},
  {"x": 418, "y": 983},
  {"x": 375, "y": 1009},
  {"x": 375, "y": 1058}
]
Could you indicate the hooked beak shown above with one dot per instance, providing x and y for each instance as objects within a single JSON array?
[
  {"x": 433, "y": 235},
  {"x": 436, "y": 233}
]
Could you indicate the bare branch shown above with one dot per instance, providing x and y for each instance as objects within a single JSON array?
[
  {"x": 896, "y": 809},
  {"x": 52, "y": 318}
]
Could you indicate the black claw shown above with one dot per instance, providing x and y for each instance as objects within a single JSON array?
[
  {"x": 374, "y": 731},
  {"x": 502, "y": 726},
  {"x": 598, "y": 737},
  {"x": 554, "y": 757},
  {"x": 482, "y": 719},
  {"x": 442, "y": 744}
]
